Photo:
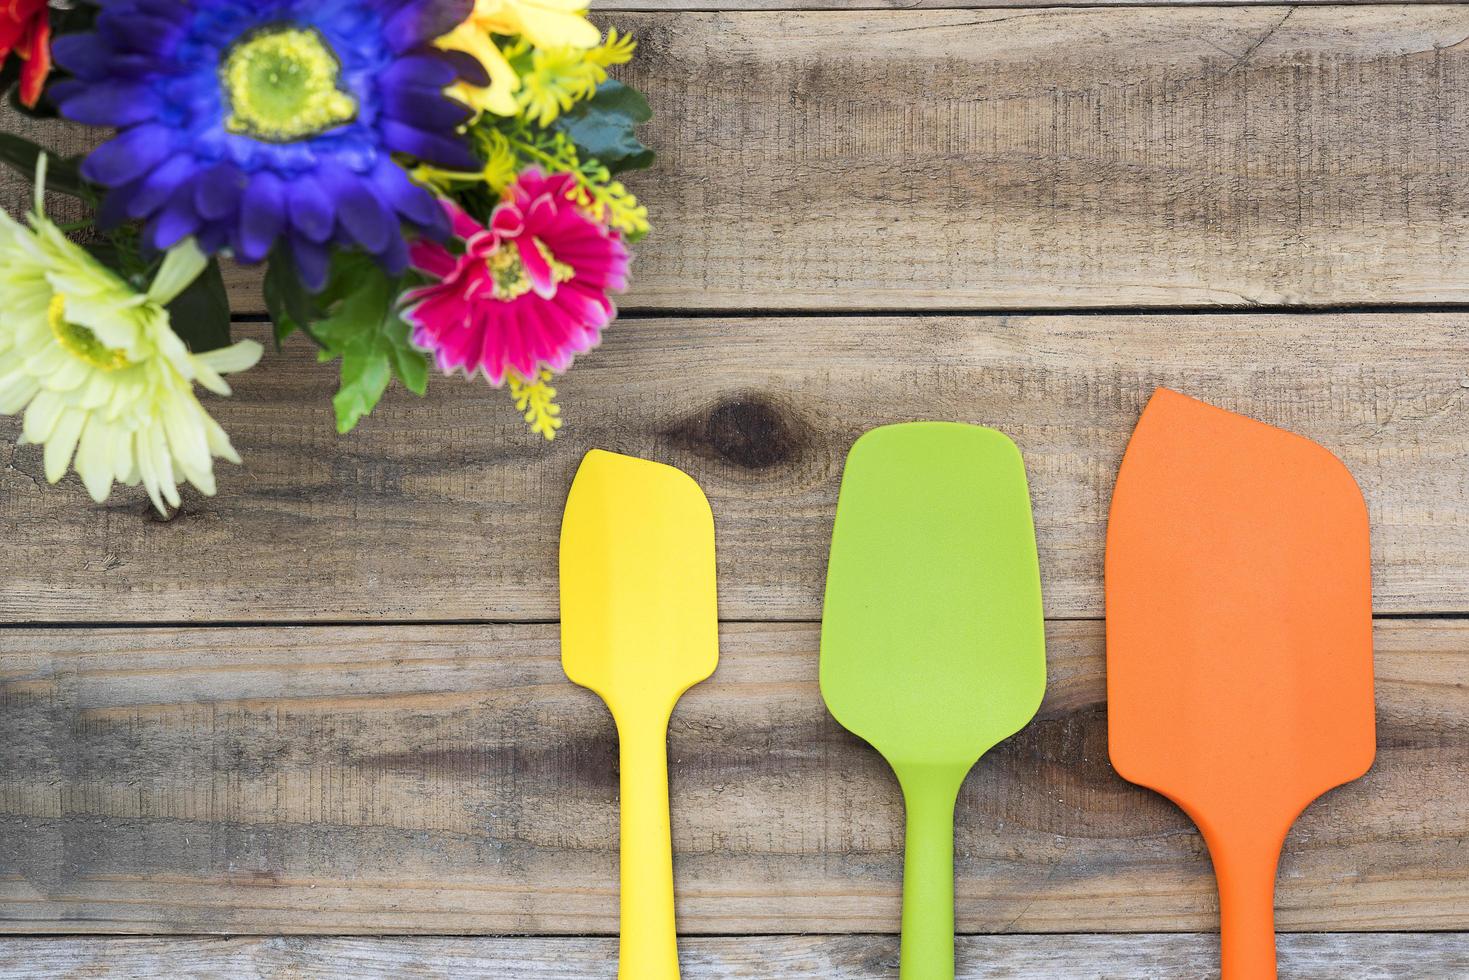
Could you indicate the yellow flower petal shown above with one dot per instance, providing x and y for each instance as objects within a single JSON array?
[{"x": 499, "y": 96}]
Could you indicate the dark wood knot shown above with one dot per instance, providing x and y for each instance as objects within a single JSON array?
[{"x": 748, "y": 431}]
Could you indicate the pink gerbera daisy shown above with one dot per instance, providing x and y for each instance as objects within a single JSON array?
[{"x": 526, "y": 293}]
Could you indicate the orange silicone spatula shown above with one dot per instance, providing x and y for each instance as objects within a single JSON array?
[{"x": 1239, "y": 641}]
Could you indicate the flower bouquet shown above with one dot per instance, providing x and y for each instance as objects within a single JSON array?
[{"x": 424, "y": 181}]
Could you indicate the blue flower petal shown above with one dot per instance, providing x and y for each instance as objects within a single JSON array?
[
  {"x": 153, "y": 190},
  {"x": 312, "y": 261},
  {"x": 107, "y": 105},
  {"x": 446, "y": 151},
  {"x": 417, "y": 23},
  {"x": 84, "y": 55},
  {"x": 262, "y": 216},
  {"x": 218, "y": 191},
  {"x": 140, "y": 33},
  {"x": 468, "y": 67},
  {"x": 424, "y": 107},
  {"x": 427, "y": 70},
  {"x": 130, "y": 155},
  {"x": 407, "y": 198},
  {"x": 310, "y": 211},
  {"x": 395, "y": 257},
  {"x": 367, "y": 220},
  {"x": 177, "y": 221}
]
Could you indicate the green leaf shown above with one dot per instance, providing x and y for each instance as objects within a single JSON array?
[
  {"x": 63, "y": 175},
  {"x": 289, "y": 303},
  {"x": 363, "y": 327},
  {"x": 602, "y": 127},
  {"x": 201, "y": 313}
]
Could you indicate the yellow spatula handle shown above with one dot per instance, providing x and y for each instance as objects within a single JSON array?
[{"x": 649, "y": 949}]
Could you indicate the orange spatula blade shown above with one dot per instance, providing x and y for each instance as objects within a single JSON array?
[{"x": 1239, "y": 639}]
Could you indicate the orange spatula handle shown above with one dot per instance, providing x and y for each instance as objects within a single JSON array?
[
  {"x": 926, "y": 951},
  {"x": 1246, "y": 873},
  {"x": 649, "y": 946}
]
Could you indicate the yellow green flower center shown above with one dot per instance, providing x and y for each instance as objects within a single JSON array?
[
  {"x": 81, "y": 342},
  {"x": 281, "y": 84},
  {"x": 508, "y": 274}
]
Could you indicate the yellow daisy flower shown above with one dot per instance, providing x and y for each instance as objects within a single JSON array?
[{"x": 98, "y": 370}]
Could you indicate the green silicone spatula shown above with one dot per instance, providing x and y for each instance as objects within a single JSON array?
[
  {"x": 639, "y": 626},
  {"x": 932, "y": 638}
]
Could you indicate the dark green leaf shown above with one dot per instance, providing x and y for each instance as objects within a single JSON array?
[
  {"x": 201, "y": 313},
  {"x": 290, "y": 305},
  {"x": 602, "y": 127},
  {"x": 363, "y": 327},
  {"x": 63, "y": 175}
]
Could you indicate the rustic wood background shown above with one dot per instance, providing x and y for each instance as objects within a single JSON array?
[{"x": 316, "y": 726}]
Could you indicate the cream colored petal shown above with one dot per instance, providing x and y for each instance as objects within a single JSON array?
[
  {"x": 180, "y": 267},
  {"x": 186, "y": 439},
  {"x": 97, "y": 391},
  {"x": 94, "y": 458},
  {"x": 162, "y": 464},
  {"x": 62, "y": 443},
  {"x": 219, "y": 441},
  {"x": 241, "y": 356},
  {"x": 68, "y": 375},
  {"x": 123, "y": 463},
  {"x": 16, "y": 388},
  {"x": 148, "y": 471},
  {"x": 41, "y": 416},
  {"x": 47, "y": 360}
]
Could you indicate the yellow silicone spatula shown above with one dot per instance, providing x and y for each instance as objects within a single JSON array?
[{"x": 639, "y": 626}]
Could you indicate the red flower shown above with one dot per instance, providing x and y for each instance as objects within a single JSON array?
[{"x": 25, "y": 30}]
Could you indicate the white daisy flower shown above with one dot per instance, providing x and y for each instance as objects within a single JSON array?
[{"x": 98, "y": 370}]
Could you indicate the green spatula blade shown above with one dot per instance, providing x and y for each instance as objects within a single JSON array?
[{"x": 933, "y": 636}]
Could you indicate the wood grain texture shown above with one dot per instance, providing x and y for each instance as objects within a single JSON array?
[
  {"x": 1043, "y": 158},
  {"x": 1312, "y": 956},
  {"x": 449, "y": 779},
  {"x": 446, "y": 508}
]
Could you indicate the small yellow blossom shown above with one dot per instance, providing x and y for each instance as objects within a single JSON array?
[
  {"x": 560, "y": 77},
  {"x": 536, "y": 401}
]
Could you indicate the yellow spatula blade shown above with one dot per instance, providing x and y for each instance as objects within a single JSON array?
[{"x": 639, "y": 623}]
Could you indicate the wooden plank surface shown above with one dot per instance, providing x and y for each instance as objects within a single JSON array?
[
  {"x": 448, "y": 779},
  {"x": 445, "y": 508},
  {"x": 1058, "y": 157},
  {"x": 1312, "y": 956}
]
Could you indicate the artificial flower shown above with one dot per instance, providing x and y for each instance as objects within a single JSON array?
[
  {"x": 245, "y": 123},
  {"x": 98, "y": 369},
  {"x": 544, "y": 23},
  {"x": 25, "y": 31},
  {"x": 525, "y": 294},
  {"x": 558, "y": 78}
]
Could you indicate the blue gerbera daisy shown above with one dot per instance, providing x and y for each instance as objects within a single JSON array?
[{"x": 250, "y": 122}]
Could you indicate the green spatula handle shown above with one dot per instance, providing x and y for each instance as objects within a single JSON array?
[
  {"x": 649, "y": 945},
  {"x": 927, "y": 950}
]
